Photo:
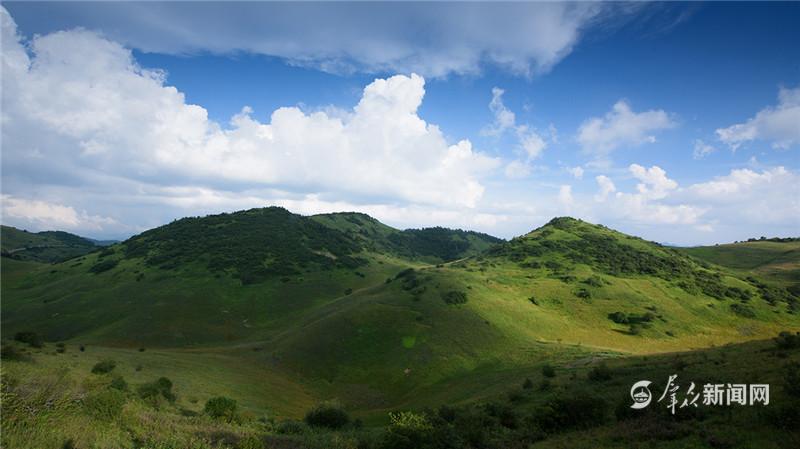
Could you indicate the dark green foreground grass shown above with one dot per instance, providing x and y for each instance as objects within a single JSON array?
[{"x": 52, "y": 400}]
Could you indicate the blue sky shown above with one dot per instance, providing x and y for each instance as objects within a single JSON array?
[{"x": 679, "y": 122}]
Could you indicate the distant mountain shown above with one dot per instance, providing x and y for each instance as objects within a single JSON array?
[{"x": 47, "y": 246}]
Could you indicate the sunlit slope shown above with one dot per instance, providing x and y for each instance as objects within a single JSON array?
[
  {"x": 776, "y": 261},
  {"x": 567, "y": 288}
]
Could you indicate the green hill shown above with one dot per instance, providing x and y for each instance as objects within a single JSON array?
[
  {"x": 47, "y": 246},
  {"x": 776, "y": 260},
  {"x": 341, "y": 306}
]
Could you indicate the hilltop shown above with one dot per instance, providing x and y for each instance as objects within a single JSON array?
[{"x": 46, "y": 246}]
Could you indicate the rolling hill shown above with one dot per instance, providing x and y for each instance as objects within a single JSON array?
[
  {"x": 342, "y": 306},
  {"x": 46, "y": 246},
  {"x": 776, "y": 260}
]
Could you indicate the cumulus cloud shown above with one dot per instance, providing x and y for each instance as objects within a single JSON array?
[
  {"x": 778, "y": 124},
  {"x": 702, "y": 149},
  {"x": 116, "y": 117},
  {"x": 622, "y": 127},
  {"x": 648, "y": 204},
  {"x": 43, "y": 215},
  {"x": 654, "y": 181},
  {"x": 606, "y": 186}
]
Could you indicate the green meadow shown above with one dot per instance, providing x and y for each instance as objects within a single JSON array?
[{"x": 322, "y": 328}]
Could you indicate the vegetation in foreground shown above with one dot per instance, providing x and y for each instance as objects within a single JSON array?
[{"x": 52, "y": 400}]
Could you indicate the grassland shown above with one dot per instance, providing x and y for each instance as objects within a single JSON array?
[
  {"x": 374, "y": 318},
  {"x": 48, "y": 246},
  {"x": 777, "y": 261}
]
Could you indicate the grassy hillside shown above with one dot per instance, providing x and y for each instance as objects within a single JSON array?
[
  {"x": 775, "y": 260},
  {"x": 47, "y": 246},
  {"x": 280, "y": 311}
]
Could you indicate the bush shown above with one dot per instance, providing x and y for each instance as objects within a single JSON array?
[
  {"x": 788, "y": 340},
  {"x": 571, "y": 412},
  {"x": 599, "y": 373},
  {"x": 454, "y": 297},
  {"x": 9, "y": 352},
  {"x": 742, "y": 310},
  {"x": 103, "y": 265},
  {"x": 548, "y": 371},
  {"x": 154, "y": 391},
  {"x": 221, "y": 407},
  {"x": 329, "y": 415},
  {"x": 118, "y": 383},
  {"x": 407, "y": 430},
  {"x": 527, "y": 385},
  {"x": 105, "y": 405},
  {"x": 104, "y": 367},
  {"x": 29, "y": 337}
]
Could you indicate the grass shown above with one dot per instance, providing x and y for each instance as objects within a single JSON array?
[
  {"x": 777, "y": 261},
  {"x": 363, "y": 336}
]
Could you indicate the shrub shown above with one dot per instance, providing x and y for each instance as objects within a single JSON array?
[
  {"x": 9, "y": 352},
  {"x": 407, "y": 430},
  {"x": 742, "y": 310},
  {"x": 104, "y": 367},
  {"x": 105, "y": 405},
  {"x": 329, "y": 415},
  {"x": 533, "y": 301},
  {"x": 118, "y": 383},
  {"x": 82, "y": 348},
  {"x": 571, "y": 412},
  {"x": 103, "y": 265},
  {"x": 788, "y": 340},
  {"x": 599, "y": 373},
  {"x": 348, "y": 291},
  {"x": 221, "y": 407},
  {"x": 583, "y": 293},
  {"x": 528, "y": 384},
  {"x": 548, "y": 371},
  {"x": 29, "y": 337},
  {"x": 454, "y": 297},
  {"x": 154, "y": 391}
]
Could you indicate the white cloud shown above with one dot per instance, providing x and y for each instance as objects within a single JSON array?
[
  {"x": 530, "y": 142},
  {"x": 778, "y": 124},
  {"x": 702, "y": 149},
  {"x": 606, "y": 187},
  {"x": 43, "y": 215},
  {"x": 517, "y": 169},
  {"x": 576, "y": 172},
  {"x": 654, "y": 182},
  {"x": 621, "y": 127},
  {"x": 504, "y": 118},
  {"x": 118, "y": 118},
  {"x": 434, "y": 39}
]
